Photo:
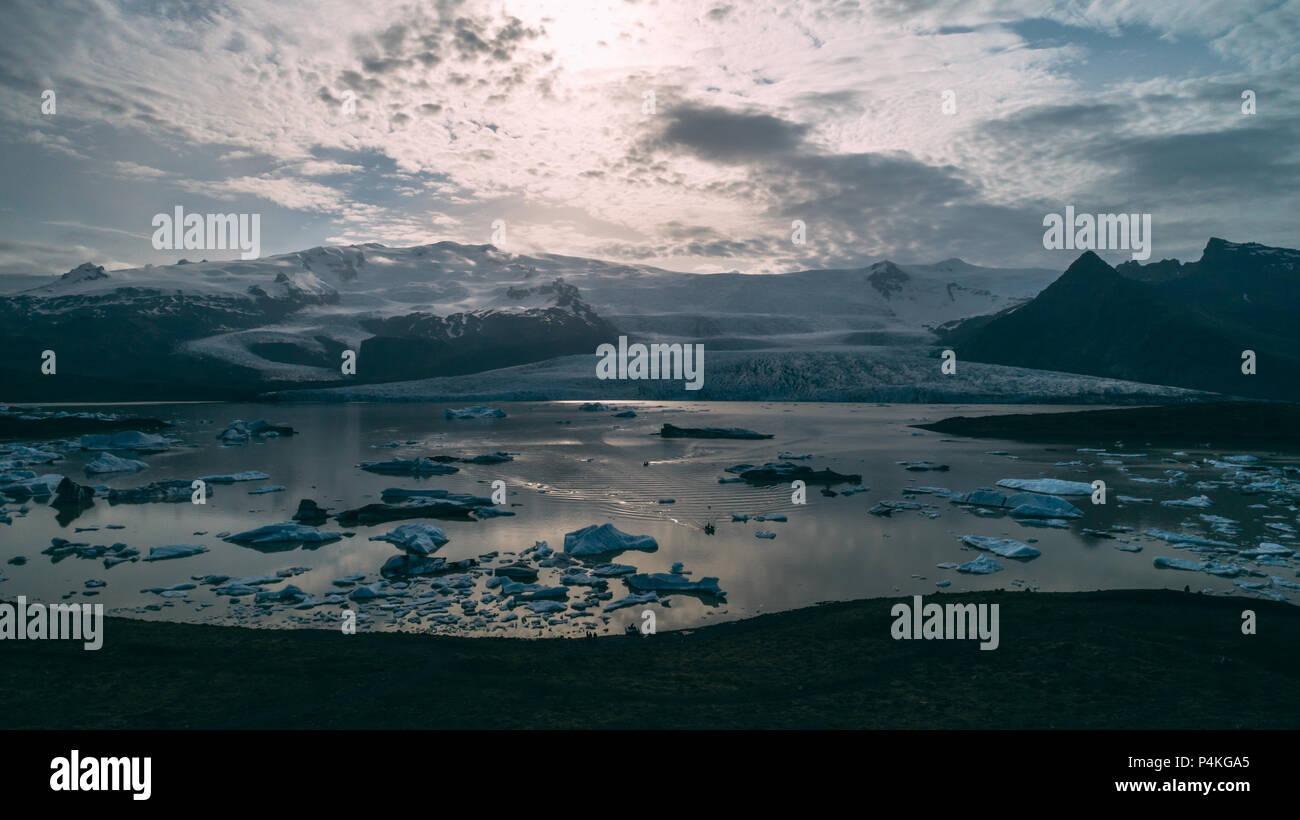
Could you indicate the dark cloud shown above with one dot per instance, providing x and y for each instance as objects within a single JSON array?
[{"x": 721, "y": 135}]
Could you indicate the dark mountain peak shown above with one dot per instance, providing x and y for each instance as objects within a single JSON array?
[
  {"x": 1163, "y": 271},
  {"x": 887, "y": 278},
  {"x": 84, "y": 272},
  {"x": 1221, "y": 251},
  {"x": 1088, "y": 265}
]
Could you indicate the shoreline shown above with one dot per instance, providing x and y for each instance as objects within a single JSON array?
[{"x": 1112, "y": 659}]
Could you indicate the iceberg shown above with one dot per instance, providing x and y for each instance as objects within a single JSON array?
[
  {"x": 416, "y": 539},
  {"x": 409, "y": 466},
  {"x": 286, "y": 533},
  {"x": 1005, "y": 547},
  {"x": 1049, "y": 486},
  {"x": 247, "y": 475},
  {"x": 1179, "y": 563},
  {"x": 669, "y": 582},
  {"x": 478, "y": 411},
  {"x": 1197, "y": 501},
  {"x": 1179, "y": 539},
  {"x": 126, "y": 440},
  {"x": 1034, "y": 505},
  {"x": 632, "y": 600},
  {"x": 174, "y": 551},
  {"x": 109, "y": 463},
  {"x": 605, "y": 538},
  {"x": 170, "y": 491},
  {"x": 982, "y": 565},
  {"x": 32, "y": 486}
]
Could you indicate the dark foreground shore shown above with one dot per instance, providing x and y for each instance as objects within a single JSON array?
[{"x": 1121, "y": 659}]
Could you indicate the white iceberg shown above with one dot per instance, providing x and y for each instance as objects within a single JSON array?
[
  {"x": 982, "y": 565},
  {"x": 1049, "y": 486},
  {"x": 174, "y": 551},
  {"x": 247, "y": 475},
  {"x": 1006, "y": 547},
  {"x": 109, "y": 463},
  {"x": 419, "y": 539},
  {"x": 605, "y": 538},
  {"x": 1197, "y": 501}
]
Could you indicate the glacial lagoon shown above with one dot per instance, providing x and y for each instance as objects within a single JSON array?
[{"x": 1206, "y": 512}]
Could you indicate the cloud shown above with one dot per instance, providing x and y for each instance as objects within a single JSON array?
[{"x": 823, "y": 111}]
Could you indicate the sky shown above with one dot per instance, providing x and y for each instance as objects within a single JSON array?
[{"x": 690, "y": 136}]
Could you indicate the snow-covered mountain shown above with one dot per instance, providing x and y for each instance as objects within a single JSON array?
[{"x": 448, "y": 309}]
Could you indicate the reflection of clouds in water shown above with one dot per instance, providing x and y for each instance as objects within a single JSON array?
[{"x": 829, "y": 549}]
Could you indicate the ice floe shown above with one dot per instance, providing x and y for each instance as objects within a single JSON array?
[
  {"x": 1006, "y": 547},
  {"x": 604, "y": 539},
  {"x": 1049, "y": 486}
]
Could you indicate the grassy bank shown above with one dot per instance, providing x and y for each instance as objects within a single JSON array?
[
  {"x": 1246, "y": 425},
  {"x": 1124, "y": 659}
]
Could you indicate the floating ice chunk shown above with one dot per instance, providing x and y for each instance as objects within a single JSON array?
[
  {"x": 1128, "y": 499},
  {"x": 544, "y": 607},
  {"x": 170, "y": 491},
  {"x": 632, "y": 600},
  {"x": 478, "y": 411},
  {"x": 1266, "y": 548},
  {"x": 764, "y": 534},
  {"x": 982, "y": 565},
  {"x": 1179, "y": 538},
  {"x": 109, "y": 463},
  {"x": 982, "y": 497},
  {"x": 1032, "y": 505},
  {"x": 943, "y": 583},
  {"x": 1006, "y": 547},
  {"x": 185, "y": 587},
  {"x": 605, "y": 538},
  {"x": 1179, "y": 563},
  {"x": 126, "y": 440},
  {"x": 32, "y": 486},
  {"x": 285, "y": 533},
  {"x": 368, "y": 592},
  {"x": 611, "y": 570},
  {"x": 668, "y": 582},
  {"x": 923, "y": 466},
  {"x": 409, "y": 466},
  {"x": 247, "y": 475},
  {"x": 417, "y": 539},
  {"x": 174, "y": 551},
  {"x": 1050, "y": 486},
  {"x": 1198, "y": 501},
  {"x": 576, "y": 577},
  {"x": 793, "y": 456},
  {"x": 268, "y": 488}
]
